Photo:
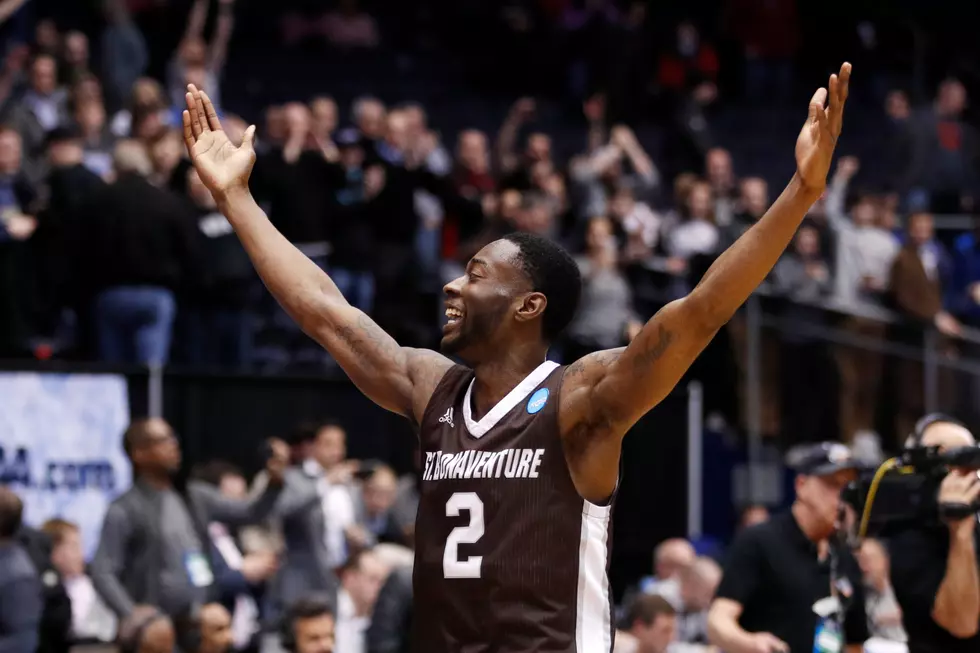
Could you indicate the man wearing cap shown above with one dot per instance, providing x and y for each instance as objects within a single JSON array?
[{"x": 787, "y": 587}]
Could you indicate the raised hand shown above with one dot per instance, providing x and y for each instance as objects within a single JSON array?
[
  {"x": 816, "y": 143},
  {"x": 221, "y": 165}
]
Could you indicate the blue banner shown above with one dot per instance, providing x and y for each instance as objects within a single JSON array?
[{"x": 61, "y": 446}]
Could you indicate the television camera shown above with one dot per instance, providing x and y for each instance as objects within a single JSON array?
[{"x": 903, "y": 491}]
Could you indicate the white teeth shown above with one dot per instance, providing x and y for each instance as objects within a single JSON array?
[{"x": 453, "y": 314}]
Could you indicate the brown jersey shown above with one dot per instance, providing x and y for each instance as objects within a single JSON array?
[{"x": 509, "y": 558}]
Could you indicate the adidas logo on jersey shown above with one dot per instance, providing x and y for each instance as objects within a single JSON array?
[
  {"x": 448, "y": 419},
  {"x": 509, "y": 463}
]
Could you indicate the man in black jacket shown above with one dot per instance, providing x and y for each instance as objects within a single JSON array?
[{"x": 138, "y": 247}]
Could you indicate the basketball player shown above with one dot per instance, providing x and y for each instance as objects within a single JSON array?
[{"x": 521, "y": 456}]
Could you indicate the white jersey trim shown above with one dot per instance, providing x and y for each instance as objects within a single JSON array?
[
  {"x": 594, "y": 611},
  {"x": 505, "y": 405}
]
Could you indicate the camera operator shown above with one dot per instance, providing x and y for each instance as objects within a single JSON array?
[
  {"x": 934, "y": 568},
  {"x": 788, "y": 586}
]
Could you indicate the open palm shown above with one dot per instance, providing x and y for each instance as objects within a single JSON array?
[
  {"x": 221, "y": 165},
  {"x": 818, "y": 138}
]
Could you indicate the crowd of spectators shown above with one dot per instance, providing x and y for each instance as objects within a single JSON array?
[
  {"x": 112, "y": 250},
  {"x": 324, "y": 531}
]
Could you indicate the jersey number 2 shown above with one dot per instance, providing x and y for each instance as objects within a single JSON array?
[{"x": 452, "y": 566}]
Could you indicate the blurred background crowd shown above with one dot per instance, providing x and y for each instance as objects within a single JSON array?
[{"x": 395, "y": 139}]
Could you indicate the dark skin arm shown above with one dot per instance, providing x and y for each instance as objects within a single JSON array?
[
  {"x": 607, "y": 392},
  {"x": 399, "y": 379}
]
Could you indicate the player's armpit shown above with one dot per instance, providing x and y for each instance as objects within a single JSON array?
[
  {"x": 399, "y": 379},
  {"x": 615, "y": 388}
]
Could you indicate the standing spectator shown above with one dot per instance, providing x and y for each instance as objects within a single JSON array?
[
  {"x": 370, "y": 119},
  {"x": 690, "y": 60},
  {"x": 138, "y": 247},
  {"x": 694, "y": 239},
  {"x": 352, "y": 230},
  {"x": 91, "y": 618},
  {"x": 240, "y": 578},
  {"x": 720, "y": 174},
  {"x": 42, "y": 108},
  {"x": 316, "y": 510},
  {"x": 17, "y": 225},
  {"x": 75, "y": 57},
  {"x": 865, "y": 252},
  {"x": 124, "y": 53},
  {"x": 944, "y": 153},
  {"x": 90, "y": 118},
  {"x": 606, "y": 318},
  {"x": 360, "y": 581},
  {"x": 195, "y": 62},
  {"x": 916, "y": 287},
  {"x": 323, "y": 110},
  {"x": 145, "y": 98},
  {"x": 154, "y": 543},
  {"x": 20, "y": 586},
  {"x": 328, "y": 463},
  {"x": 221, "y": 325},
  {"x": 808, "y": 378}
]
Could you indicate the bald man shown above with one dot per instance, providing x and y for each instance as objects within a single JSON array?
[{"x": 669, "y": 559}]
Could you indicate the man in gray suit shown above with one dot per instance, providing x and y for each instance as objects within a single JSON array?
[
  {"x": 154, "y": 547},
  {"x": 306, "y": 565}
]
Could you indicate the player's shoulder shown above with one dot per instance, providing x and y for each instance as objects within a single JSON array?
[
  {"x": 588, "y": 369},
  {"x": 435, "y": 378}
]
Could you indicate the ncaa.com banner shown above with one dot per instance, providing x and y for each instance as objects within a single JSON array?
[{"x": 61, "y": 446}]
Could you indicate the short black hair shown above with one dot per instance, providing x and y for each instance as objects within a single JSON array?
[
  {"x": 554, "y": 274},
  {"x": 308, "y": 607},
  {"x": 11, "y": 513}
]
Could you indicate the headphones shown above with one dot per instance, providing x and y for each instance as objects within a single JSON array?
[
  {"x": 287, "y": 632},
  {"x": 132, "y": 643},
  {"x": 918, "y": 432},
  {"x": 313, "y": 605}
]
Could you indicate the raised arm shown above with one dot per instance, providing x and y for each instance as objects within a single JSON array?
[
  {"x": 606, "y": 393},
  {"x": 399, "y": 379}
]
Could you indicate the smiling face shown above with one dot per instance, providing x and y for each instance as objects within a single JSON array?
[{"x": 479, "y": 303}]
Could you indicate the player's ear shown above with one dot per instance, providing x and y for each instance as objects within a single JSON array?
[{"x": 531, "y": 306}]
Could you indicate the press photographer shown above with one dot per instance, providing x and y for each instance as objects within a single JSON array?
[{"x": 934, "y": 561}]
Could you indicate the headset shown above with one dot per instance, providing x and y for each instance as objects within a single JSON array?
[
  {"x": 312, "y": 605},
  {"x": 287, "y": 632},
  {"x": 918, "y": 432},
  {"x": 132, "y": 643}
]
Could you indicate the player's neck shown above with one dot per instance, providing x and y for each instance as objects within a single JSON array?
[{"x": 494, "y": 379}]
